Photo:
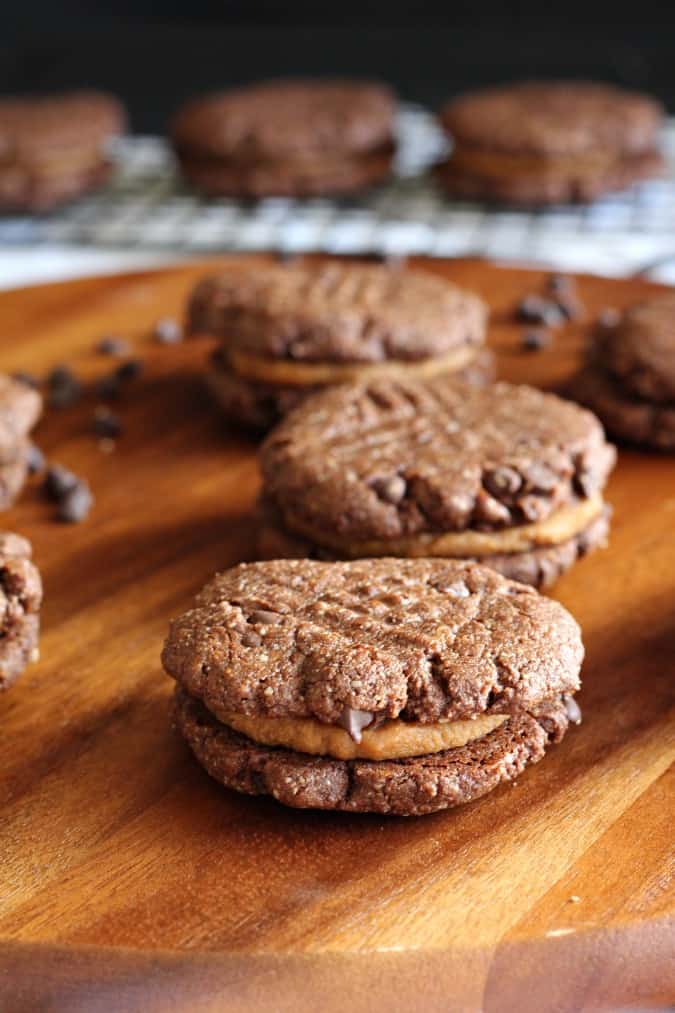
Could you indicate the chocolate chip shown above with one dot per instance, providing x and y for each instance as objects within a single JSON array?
[
  {"x": 63, "y": 386},
  {"x": 59, "y": 481},
  {"x": 168, "y": 331},
  {"x": 112, "y": 346},
  {"x": 536, "y": 340},
  {"x": 570, "y": 306},
  {"x": 129, "y": 370},
  {"x": 251, "y": 639},
  {"x": 537, "y": 310},
  {"x": 263, "y": 616},
  {"x": 609, "y": 317},
  {"x": 76, "y": 503},
  {"x": 391, "y": 489},
  {"x": 559, "y": 283},
  {"x": 573, "y": 710},
  {"x": 108, "y": 387},
  {"x": 502, "y": 480},
  {"x": 27, "y": 379},
  {"x": 105, "y": 423},
  {"x": 35, "y": 459},
  {"x": 355, "y": 721}
]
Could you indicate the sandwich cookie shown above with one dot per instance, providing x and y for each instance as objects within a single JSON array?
[
  {"x": 505, "y": 475},
  {"x": 20, "y": 600},
  {"x": 53, "y": 147},
  {"x": 287, "y": 331},
  {"x": 629, "y": 378},
  {"x": 20, "y": 409},
  {"x": 291, "y": 137},
  {"x": 381, "y": 685},
  {"x": 549, "y": 142}
]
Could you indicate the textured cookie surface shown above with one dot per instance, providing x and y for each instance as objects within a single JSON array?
[
  {"x": 20, "y": 408},
  {"x": 626, "y": 417},
  {"x": 640, "y": 350},
  {"x": 278, "y": 119},
  {"x": 260, "y": 405},
  {"x": 398, "y": 787},
  {"x": 393, "y": 458},
  {"x": 20, "y": 600},
  {"x": 337, "y": 312},
  {"x": 541, "y": 567},
  {"x": 554, "y": 118},
  {"x": 420, "y": 639}
]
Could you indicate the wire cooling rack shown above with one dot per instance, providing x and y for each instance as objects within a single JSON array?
[{"x": 147, "y": 206}]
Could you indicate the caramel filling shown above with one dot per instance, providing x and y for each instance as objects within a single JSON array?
[
  {"x": 500, "y": 164},
  {"x": 306, "y": 374},
  {"x": 393, "y": 740},
  {"x": 563, "y": 524}
]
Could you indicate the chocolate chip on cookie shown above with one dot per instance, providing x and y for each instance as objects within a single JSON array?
[
  {"x": 288, "y": 331},
  {"x": 53, "y": 147},
  {"x": 629, "y": 376},
  {"x": 289, "y": 137},
  {"x": 506, "y": 475},
  {"x": 549, "y": 142},
  {"x": 385, "y": 685}
]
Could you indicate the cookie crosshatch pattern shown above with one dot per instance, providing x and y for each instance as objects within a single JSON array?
[{"x": 146, "y": 205}]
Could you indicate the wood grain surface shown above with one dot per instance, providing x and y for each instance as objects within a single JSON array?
[{"x": 130, "y": 881}]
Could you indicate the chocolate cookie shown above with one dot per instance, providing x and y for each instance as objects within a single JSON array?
[
  {"x": 549, "y": 142},
  {"x": 20, "y": 600},
  {"x": 286, "y": 331},
  {"x": 52, "y": 147},
  {"x": 629, "y": 378},
  {"x": 503, "y": 474},
  {"x": 293, "y": 137},
  {"x": 387, "y": 685}
]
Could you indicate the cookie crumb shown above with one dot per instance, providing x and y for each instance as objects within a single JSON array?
[
  {"x": 574, "y": 899},
  {"x": 107, "y": 445}
]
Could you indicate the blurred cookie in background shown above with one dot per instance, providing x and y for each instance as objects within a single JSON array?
[
  {"x": 53, "y": 147},
  {"x": 551, "y": 142},
  {"x": 288, "y": 137}
]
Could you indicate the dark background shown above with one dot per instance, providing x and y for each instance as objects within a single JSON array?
[{"x": 427, "y": 49}]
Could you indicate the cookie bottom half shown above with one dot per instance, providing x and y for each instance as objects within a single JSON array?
[
  {"x": 260, "y": 405},
  {"x": 404, "y": 787},
  {"x": 551, "y": 181},
  {"x": 331, "y": 174},
  {"x": 626, "y": 417},
  {"x": 540, "y": 566}
]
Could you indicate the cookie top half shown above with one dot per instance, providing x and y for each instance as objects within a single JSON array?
[
  {"x": 337, "y": 312},
  {"x": 286, "y": 118},
  {"x": 31, "y": 126},
  {"x": 640, "y": 348},
  {"x": 556, "y": 118},
  {"x": 397, "y": 457},
  {"x": 422, "y": 640}
]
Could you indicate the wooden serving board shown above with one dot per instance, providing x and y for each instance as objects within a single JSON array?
[{"x": 130, "y": 881}]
